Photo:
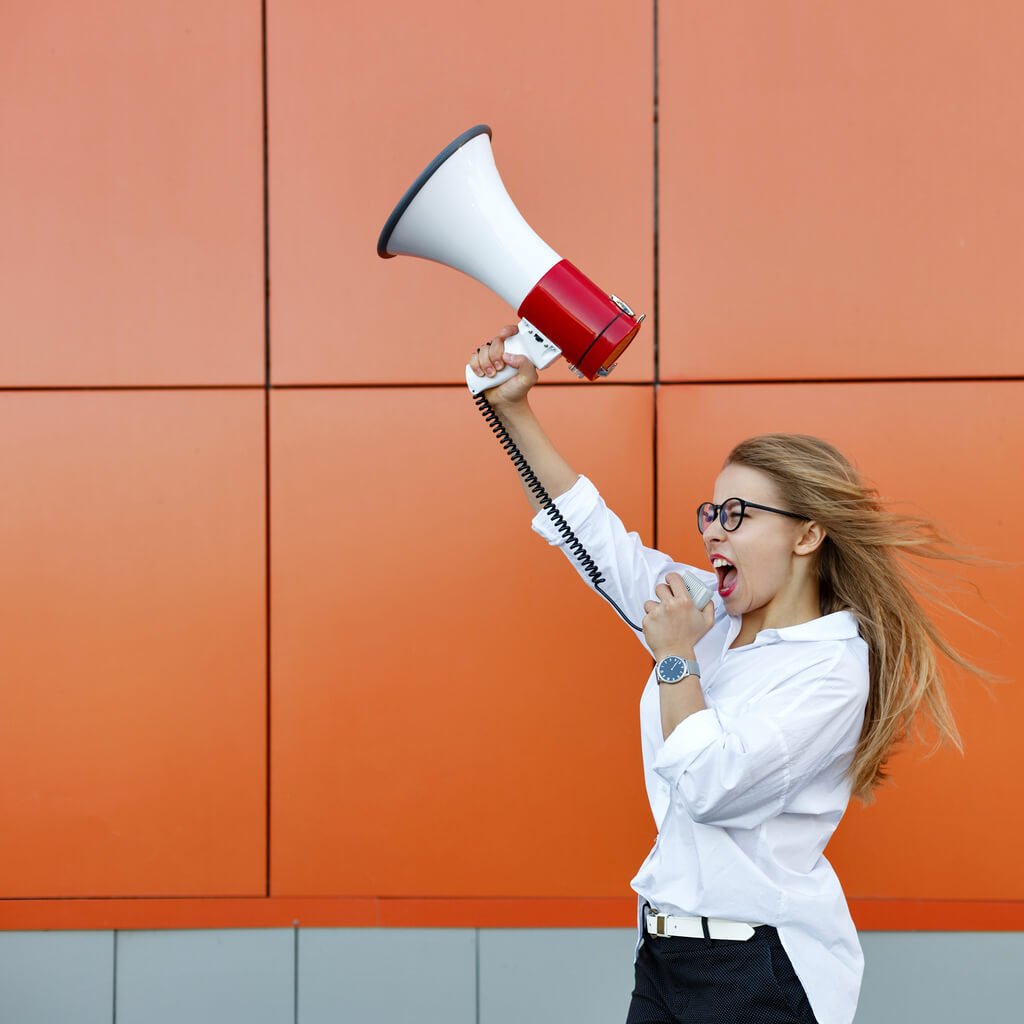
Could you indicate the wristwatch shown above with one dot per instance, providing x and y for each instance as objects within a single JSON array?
[{"x": 672, "y": 669}]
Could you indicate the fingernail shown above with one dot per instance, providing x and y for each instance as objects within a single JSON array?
[
  {"x": 499, "y": 366},
  {"x": 490, "y": 372}
]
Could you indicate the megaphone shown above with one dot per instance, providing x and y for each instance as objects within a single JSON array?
[{"x": 458, "y": 213}]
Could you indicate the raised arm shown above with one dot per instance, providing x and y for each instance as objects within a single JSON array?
[
  {"x": 511, "y": 402},
  {"x": 631, "y": 570}
]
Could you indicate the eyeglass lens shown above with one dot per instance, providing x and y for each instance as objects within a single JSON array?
[{"x": 729, "y": 513}]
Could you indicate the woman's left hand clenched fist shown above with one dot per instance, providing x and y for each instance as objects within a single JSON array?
[{"x": 672, "y": 624}]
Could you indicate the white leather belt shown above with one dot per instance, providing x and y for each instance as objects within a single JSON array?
[{"x": 691, "y": 928}]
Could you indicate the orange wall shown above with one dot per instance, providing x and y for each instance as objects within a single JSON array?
[{"x": 277, "y": 641}]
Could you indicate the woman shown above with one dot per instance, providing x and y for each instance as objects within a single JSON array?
[{"x": 764, "y": 713}]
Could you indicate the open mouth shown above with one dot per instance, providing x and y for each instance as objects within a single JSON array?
[{"x": 727, "y": 575}]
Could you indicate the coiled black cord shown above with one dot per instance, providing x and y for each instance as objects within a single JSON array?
[{"x": 579, "y": 552}]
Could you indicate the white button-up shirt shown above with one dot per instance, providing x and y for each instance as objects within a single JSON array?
[{"x": 747, "y": 792}]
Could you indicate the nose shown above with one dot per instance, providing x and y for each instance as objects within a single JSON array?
[{"x": 713, "y": 533}]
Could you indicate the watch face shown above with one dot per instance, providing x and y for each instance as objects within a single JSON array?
[{"x": 671, "y": 669}]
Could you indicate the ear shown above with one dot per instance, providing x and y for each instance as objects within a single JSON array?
[{"x": 810, "y": 539}]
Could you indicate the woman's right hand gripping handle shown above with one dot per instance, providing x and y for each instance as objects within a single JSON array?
[
  {"x": 491, "y": 358},
  {"x": 510, "y": 401}
]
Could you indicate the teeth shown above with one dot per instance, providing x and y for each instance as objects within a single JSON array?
[{"x": 720, "y": 563}]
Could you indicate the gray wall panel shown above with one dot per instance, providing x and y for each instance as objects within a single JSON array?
[
  {"x": 56, "y": 977},
  {"x": 910, "y": 977},
  {"x": 387, "y": 976},
  {"x": 206, "y": 977},
  {"x": 550, "y": 976},
  {"x": 941, "y": 977},
  {"x": 430, "y": 976}
]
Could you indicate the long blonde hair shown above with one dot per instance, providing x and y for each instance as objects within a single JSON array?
[{"x": 861, "y": 568}]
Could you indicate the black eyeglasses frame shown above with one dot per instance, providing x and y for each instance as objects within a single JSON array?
[{"x": 744, "y": 505}]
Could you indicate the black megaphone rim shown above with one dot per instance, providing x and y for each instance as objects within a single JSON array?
[{"x": 414, "y": 188}]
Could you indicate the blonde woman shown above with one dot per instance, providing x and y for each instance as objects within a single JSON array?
[{"x": 764, "y": 713}]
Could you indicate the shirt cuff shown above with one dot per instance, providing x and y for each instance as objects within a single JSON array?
[
  {"x": 692, "y": 735},
  {"x": 575, "y": 504}
]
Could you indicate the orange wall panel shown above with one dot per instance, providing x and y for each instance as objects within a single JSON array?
[
  {"x": 132, "y": 626},
  {"x": 453, "y": 719},
  {"x": 839, "y": 190},
  {"x": 359, "y": 106},
  {"x": 453, "y": 714},
  {"x": 131, "y": 193},
  {"x": 950, "y": 451}
]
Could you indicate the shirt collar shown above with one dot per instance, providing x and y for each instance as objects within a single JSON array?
[{"x": 836, "y": 626}]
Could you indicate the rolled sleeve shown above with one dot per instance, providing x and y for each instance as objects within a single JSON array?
[
  {"x": 692, "y": 735},
  {"x": 575, "y": 504},
  {"x": 732, "y": 773},
  {"x": 630, "y": 569},
  {"x": 739, "y": 770}
]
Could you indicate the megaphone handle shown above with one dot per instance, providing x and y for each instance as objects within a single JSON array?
[
  {"x": 529, "y": 342},
  {"x": 477, "y": 384}
]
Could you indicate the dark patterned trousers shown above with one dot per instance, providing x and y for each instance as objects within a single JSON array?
[{"x": 717, "y": 981}]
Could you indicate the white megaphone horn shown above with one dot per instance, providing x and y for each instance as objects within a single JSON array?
[{"x": 458, "y": 213}]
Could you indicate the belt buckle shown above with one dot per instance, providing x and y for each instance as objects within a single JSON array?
[{"x": 660, "y": 921}]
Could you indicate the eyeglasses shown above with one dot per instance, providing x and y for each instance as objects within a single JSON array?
[{"x": 731, "y": 512}]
